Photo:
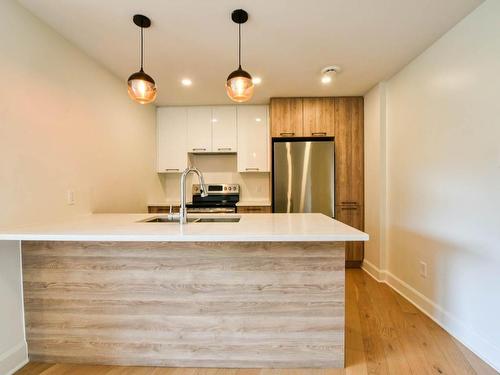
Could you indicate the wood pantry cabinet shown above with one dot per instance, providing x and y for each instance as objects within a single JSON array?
[
  {"x": 349, "y": 170},
  {"x": 287, "y": 117},
  {"x": 341, "y": 118},
  {"x": 303, "y": 117},
  {"x": 319, "y": 117}
]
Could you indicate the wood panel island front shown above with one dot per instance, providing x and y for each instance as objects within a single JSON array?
[{"x": 265, "y": 292}]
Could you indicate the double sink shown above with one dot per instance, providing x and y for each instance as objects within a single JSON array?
[{"x": 170, "y": 219}]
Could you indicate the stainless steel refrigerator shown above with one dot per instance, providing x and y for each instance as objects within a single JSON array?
[{"x": 303, "y": 176}]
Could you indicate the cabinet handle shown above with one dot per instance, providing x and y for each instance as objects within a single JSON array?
[
  {"x": 319, "y": 133},
  {"x": 349, "y": 208},
  {"x": 199, "y": 149},
  {"x": 224, "y": 149},
  {"x": 252, "y": 169},
  {"x": 287, "y": 133},
  {"x": 348, "y": 202},
  {"x": 171, "y": 169}
]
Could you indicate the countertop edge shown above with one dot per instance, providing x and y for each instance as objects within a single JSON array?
[{"x": 200, "y": 238}]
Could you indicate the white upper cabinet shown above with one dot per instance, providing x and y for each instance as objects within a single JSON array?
[
  {"x": 253, "y": 138},
  {"x": 171, "y": 139},
  {"x": 224, "y": 132},
  {"x": 199, "y": 129}
]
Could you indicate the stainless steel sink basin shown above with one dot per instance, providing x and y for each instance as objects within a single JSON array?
[
  {"x": 190, "y": 219},
  {"x": 218, "y": 220},
  {"x": 167, "y": 219}
]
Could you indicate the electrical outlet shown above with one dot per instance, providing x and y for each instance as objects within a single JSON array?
[
  {"x": 70, "y": 197},
  {"x": 423, "y": 269}
]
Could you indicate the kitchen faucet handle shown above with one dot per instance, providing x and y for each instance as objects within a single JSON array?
[{"x": 170, "y": 211}]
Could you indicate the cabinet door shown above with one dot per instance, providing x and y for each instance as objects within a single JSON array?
[
  {"x": 253, "y": 209},
  {"x": 253, "y": 139},
  {"x": 319, "y": 115},
  {"x": 353, "y": 216},
  {"x": 171, "y": 139},
  {"x": 286, "y": 117},
  {"x": 199, "y": 129},
  {"x": 224, "y": 133},
  {"x": 349, "y": 151}
]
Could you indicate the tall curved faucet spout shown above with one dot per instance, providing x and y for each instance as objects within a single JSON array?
[{"x": 203, "y": 188}]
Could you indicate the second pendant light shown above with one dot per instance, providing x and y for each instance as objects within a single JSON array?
[{"x": 239, "y": 85}]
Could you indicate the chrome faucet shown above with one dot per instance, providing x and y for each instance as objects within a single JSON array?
[{"x": 203, "y": 189}]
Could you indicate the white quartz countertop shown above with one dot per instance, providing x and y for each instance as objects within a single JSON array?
[{"x": 129, "y": 227}]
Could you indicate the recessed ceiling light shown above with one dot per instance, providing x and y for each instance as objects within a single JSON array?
[
  {"x": 258, "y": 119},
  {"x": 328, "y": 73},
  {"x": 257, "y": 80},
  {"x": 326, "y": 79},
  {"x": 186, "y": 82}
]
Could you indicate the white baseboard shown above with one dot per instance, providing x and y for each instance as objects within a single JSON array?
[
  {"x": 484, "y": 349},
  {"x": 14, "y": 358},
  {"x": 373, "y": 271}
]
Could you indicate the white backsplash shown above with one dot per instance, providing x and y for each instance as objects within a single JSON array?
[{"x": 220, "y": 168}]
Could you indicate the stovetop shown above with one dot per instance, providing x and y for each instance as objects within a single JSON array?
[{"x": 219, "y": 195}]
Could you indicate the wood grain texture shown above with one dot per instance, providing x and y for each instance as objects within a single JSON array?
[
  {"x": 162, "y": 209},
  {"x": 236, "y": 305},
  {"x": 286, "y": 117},
  {"x": 319, "y": 117},
  {"x": 349, "y": 169},
  {"x": 254, "y": 209},
  {"x": 380, "y": 340}
]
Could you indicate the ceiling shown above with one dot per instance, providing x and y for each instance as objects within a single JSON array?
[{"x": 285, "y": 42}]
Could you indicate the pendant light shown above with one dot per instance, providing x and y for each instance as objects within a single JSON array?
[
  {"x": 239, "y": 85},
  {"x": 141, "y": 87}
]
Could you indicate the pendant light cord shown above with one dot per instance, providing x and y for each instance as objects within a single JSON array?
[
  {"x": 239, "y": 45},
  {"x": 142, "y": 48}
]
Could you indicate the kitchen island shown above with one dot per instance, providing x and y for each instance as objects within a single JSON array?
[{"x": 267, "y": 291}]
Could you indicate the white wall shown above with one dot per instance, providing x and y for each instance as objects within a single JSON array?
[
  {"x": 443, "y": 181},
  {"x": 375, "y": 173},
  {"x": 65, "y": 123}
]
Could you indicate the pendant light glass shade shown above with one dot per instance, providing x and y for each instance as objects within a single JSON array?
[
  {"x": 239, "y": 86},
  {"x": 141, "y": 87}
]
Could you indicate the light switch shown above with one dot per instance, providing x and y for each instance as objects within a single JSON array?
[{"x": 70, "y": 197}]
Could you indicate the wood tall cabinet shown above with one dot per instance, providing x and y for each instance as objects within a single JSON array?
[
  {"x": 287, "y": 117},
  {"x": 302, "y": 117},
  {"x": 319, "y": 117},
  {"x": 341, "y": 118},
  {"x": 349, "y": 170}
]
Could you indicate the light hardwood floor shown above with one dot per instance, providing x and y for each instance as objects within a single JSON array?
[{"x": 385, "y": 335}]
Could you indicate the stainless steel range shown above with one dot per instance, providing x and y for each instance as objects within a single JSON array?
[{"x": 221, "y": 198}]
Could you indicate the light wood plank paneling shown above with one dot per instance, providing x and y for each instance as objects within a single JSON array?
[
  {"x": 375, "y": 315},
  {"x": 185, "y": 304}
]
